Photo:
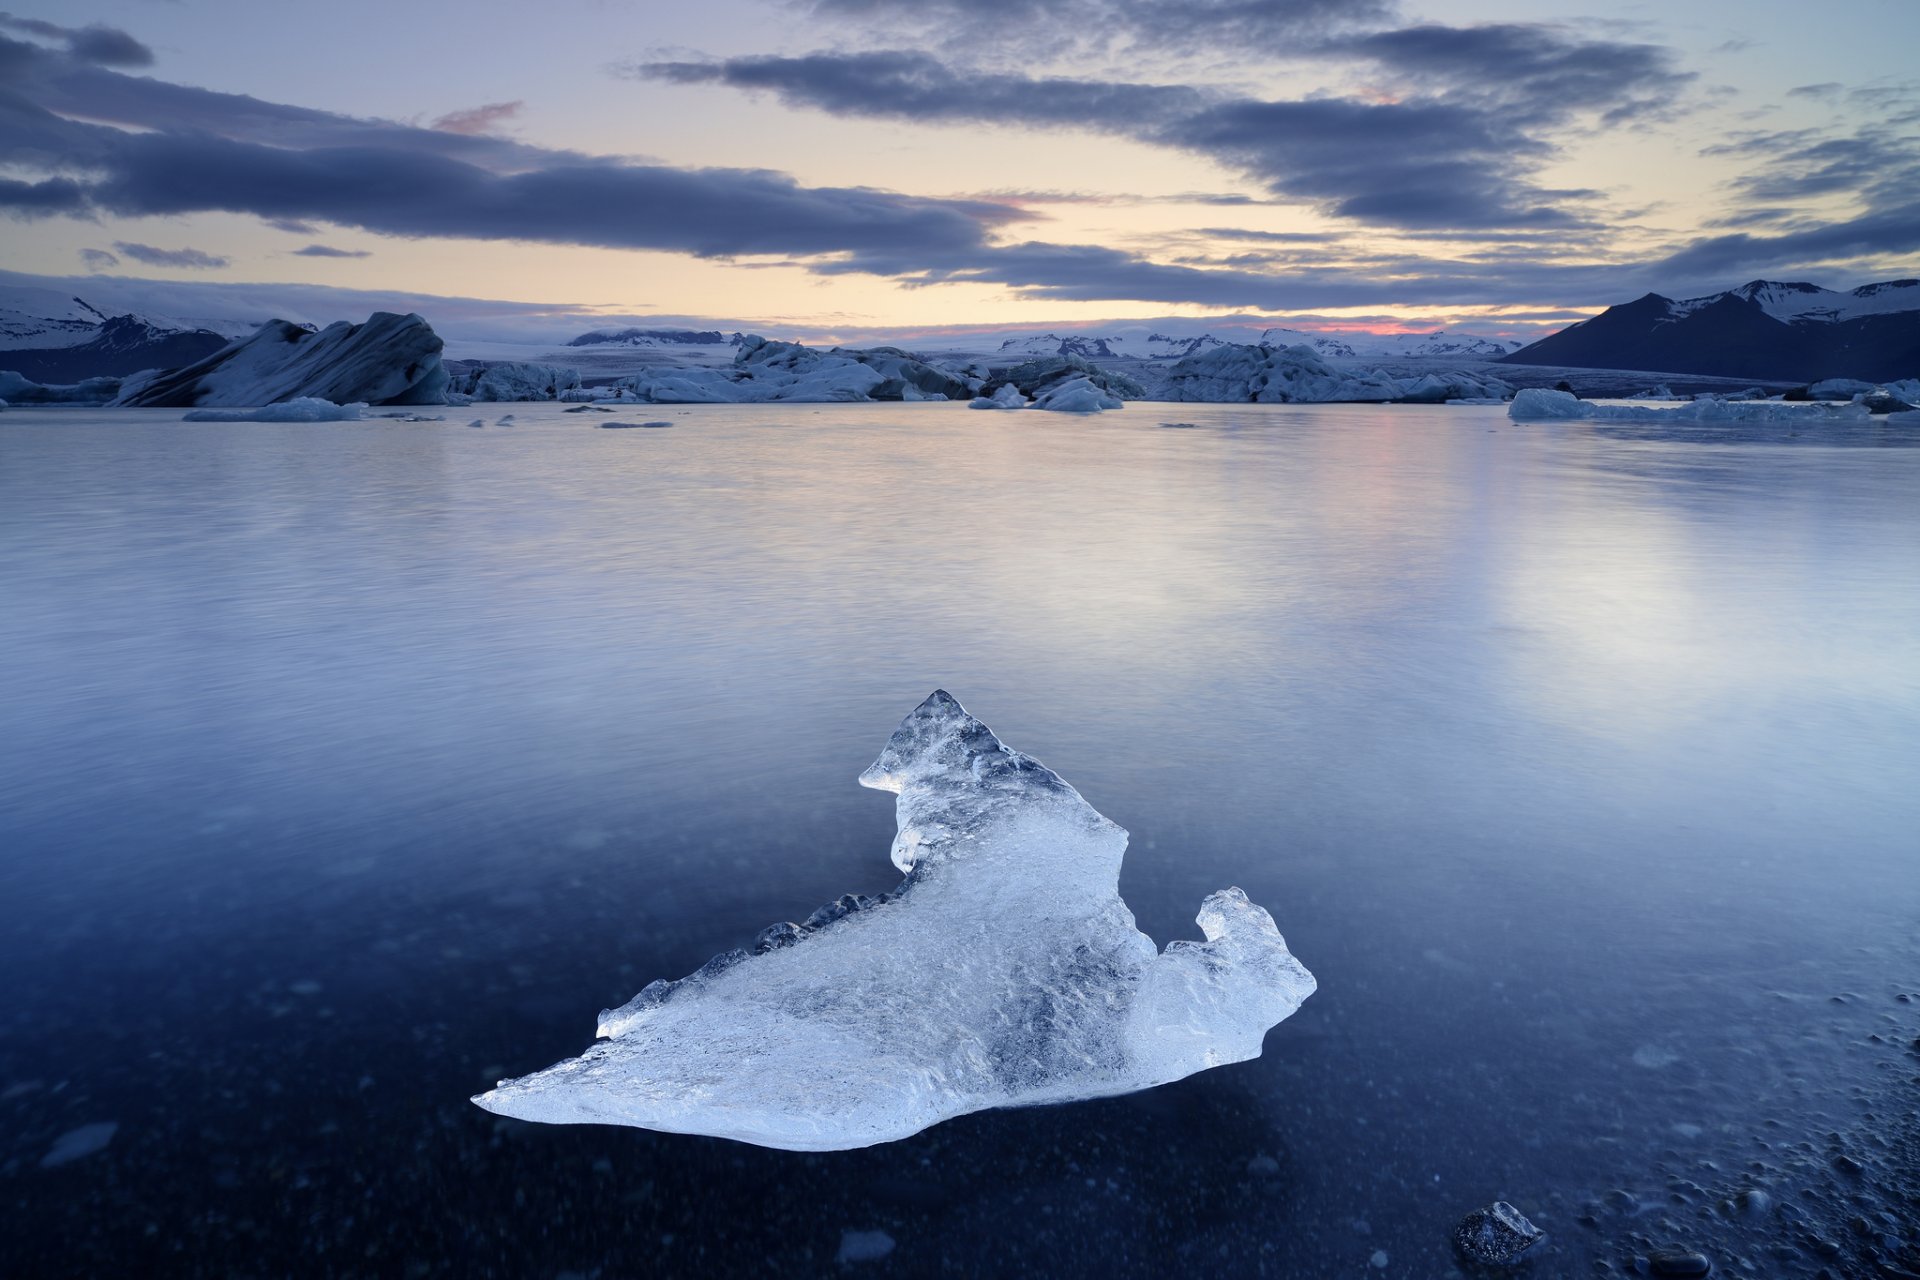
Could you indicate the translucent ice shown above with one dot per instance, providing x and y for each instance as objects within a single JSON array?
[{"x": 1005, "y": 970}]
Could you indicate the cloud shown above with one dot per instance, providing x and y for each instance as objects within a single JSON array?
[
  {"x": 1883, "y": 232},
  {"x": 1124, "y": 28},
  {"x": 192, "y": 259},
  {"x": 1421, "y": 162},
  {"x": 186, "y": 150},
  {"x": 480, "y": 119},
  {"x": 44, "y": 199},
  {"x": 328, "y": 251},
  {"x": 1534, "y": 68},
  {"x": 98, "y": 259},
  {"x": 102, "y": 46}
]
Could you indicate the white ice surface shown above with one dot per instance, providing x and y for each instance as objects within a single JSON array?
[{"x": 1004, "y": 971}]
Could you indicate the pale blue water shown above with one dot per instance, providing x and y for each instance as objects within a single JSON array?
[{"x": 346, "y": 767}]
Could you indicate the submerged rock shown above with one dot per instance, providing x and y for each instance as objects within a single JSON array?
[
  {"x": 1005, "y": 970},
  {"x": 1676, "y": 1261}
]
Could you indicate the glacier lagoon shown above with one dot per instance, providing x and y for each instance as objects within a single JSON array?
[{"x": 348, "y": 767}]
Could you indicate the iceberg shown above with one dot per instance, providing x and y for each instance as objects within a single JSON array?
[
  {"x": 1007, "y": 397},
  {"x": 1537, "y": 404},
  {"x": 1079, "y": 395},
  {"x": 18, "y": 390},
  {"x": 304, "y": 409},
  {"x": 514, "y": 380},
  {"x": 1004, "y": 971},
  {"x": 389, "y": 360}
]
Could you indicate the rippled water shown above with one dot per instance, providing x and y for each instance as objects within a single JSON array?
[{"x": 347, "y": 767}]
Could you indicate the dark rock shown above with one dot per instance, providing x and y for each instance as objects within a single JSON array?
[
  {"x": 1848, "y": 1165},
  {"x": 1678, "y": 1262},
  {"x": 1495, "y": 1236}
]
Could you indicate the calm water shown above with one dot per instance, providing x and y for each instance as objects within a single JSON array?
[{"x": 346, "y": 768}]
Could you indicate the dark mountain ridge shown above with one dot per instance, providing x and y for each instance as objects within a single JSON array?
[{"x": 1763, "y": 329}]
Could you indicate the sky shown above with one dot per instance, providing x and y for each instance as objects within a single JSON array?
[{"x": 831, "y": 168}]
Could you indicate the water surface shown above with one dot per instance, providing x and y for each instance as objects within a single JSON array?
[{"x": 346, "y": 768}]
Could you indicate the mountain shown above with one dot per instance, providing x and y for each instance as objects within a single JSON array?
[
  {"x": 654, "y": 338},
  {"x": 1052, "y": 344},
  {"x": 1763, "y": 329},
  {"x": 49, "y": 337}
]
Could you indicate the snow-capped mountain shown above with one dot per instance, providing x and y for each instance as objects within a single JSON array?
[
  {"x": 48, "y": 336},
  {"x": 1786, "y": 330},
  {"x": 668, "y": 338},
  {"x": 1052, "y": 344},
  {"x": 1161, "y": 346}
]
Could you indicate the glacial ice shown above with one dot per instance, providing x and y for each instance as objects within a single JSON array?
[
  {"x": 515, "y": 380},
  {"x": 1079, "y": 395},
  {"x": 1005, "y": 970},
  {"x": 304, "y": 409},
  {"x": 18, "y": 390},
  {"x": 791, "y": 372},
  {"x": 1537, "y": 404},
  {"x": 388, "y": 360},
  {"x": 1007, "y": 397},
  {"x": 1239, "y": 374}
]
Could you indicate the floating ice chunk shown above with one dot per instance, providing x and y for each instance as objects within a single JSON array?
[
  {"x": 305, "y": 409},
  {"x": 76, "y": 1144},
  {"x": 1007, "y": 397},
  {"x": 1839, "y": 389},
  {"x": 1537, "y": 404},
  {"x": 1005, "y": 970},
  {"x": 1905, "y": 418},
  {"x": 1078, "y": 395}
]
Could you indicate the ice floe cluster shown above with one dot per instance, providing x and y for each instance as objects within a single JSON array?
[
  {"x": 1004, "y": 970},
  {"x": 1238, "y": 374},
  {"x": 764, "y": 371},
  {"x": 1539, "y": 405},
  {"x": 300, "y": 409}
]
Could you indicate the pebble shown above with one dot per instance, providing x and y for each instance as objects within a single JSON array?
[
  {"x": 864, "y": 1246},
  {"x": 1379, "y": 1260},
  {"x": 76, "y": 1144},
  {"x": 1678, "y": 1262},
  {"x": 1495, "y": 1236}
]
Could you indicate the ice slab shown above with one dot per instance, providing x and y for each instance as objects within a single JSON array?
[{"x": 1003, "y": 971}]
